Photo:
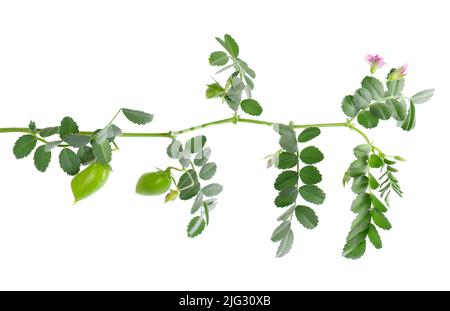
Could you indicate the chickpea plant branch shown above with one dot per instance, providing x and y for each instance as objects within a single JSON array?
[{"x": 372, "y": 174}]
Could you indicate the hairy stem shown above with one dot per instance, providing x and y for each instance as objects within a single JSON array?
[{"x": 235, "y": 119}]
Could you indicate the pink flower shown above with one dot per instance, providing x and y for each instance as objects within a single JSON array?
[
  {"x": 375, "y": 62},
  {"x": 398, "y": 73}
]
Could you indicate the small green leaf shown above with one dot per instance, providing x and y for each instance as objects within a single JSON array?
[
  {"x": 69, "y": 161},
  {"x": 286, "y": 160},
  {"x": 377, "y": 203},
  {"x": 399, "y": 158},
  {"x": 86, "y": 155},
  {"x": 362, "y": 152},
  {"x": 286, "y": 179},
  {"x": 231, "y": 46},
  {"x": 375, "y": 161},
  {"x": 185, "y": 158},
  {"x": 395, "y": 87},
  {"x": 196, "y": 144},
  {"x": 218, "y": 58},
  {"x": 358, "y": 168},
  {"x": 308, "y": 134},
  {"x": 362, "y": 98},
  {"x": 311, "y": 155},
  {"x": 102, "y": 152},
  {"x": 283, "y": 129},
  {"x": 212, "y": 190},
  {"x": 208, "y": 171},
  {"x": 52, "y": 145},
  {"x": 286, "y": 197},
  {"x": 195, "y": 226},
  {"x": 32, "y": 126},
  {"x": 24, "y": 146},
  {"x": 212, "y": 203},
  {"x": 68, "y": 126},
  {"x": 361, "y": 203},
  {"x": 233, "y": 98},
  {"x": 251, "y": 107},
  {"x": 206, "y": 209},
  {"x": 175, "y": 149},
  {"x": 410, "y": 121},
  {"x": 312, "y": 194},
  {"x": 137, "y": 116},
  {"x": 348, "y": 106},
  {"x": 42, "y": 158},
  {"x": 374, "y": 237},
  {"x": 389, "y": 162},
  {"x": 306, "y": 216},
  {"x": 382, "y": 111},
  {"x": 281, "y": 231},
  {"x": 188, "y": 185},
  {"x": 214, "y": 90},
  {"x": 346, "y": 179},
  {"x": 356, "y": 239},
  {"x": 367, "y": 119},
  {"x": 355, "y": 251},
  {"x": 244, "y": 66},
  {"x": 310, "y": 175},
  {"x": 114, "y": 132},
  {"x": 287, "y": 214},
  {"x": 373, "y": 182},
  {"x": 288, "y": 142},
  {"x": 374, "y": 86},
  {"x": 360, "y": 184},
  {"x": 249, "y": 82},
  {"x": 423, "y": 96},
  {"x": 202, "y": 157},
  {"x": 398, "y": 109},
  {"x": 109, "y": 132},
  {"x": 76, "y": 140},
  {"x": 360, "y": 224},
  {"x": 380, "y": 219},
  {"x": 198, "y": 202},
  {"x": 285, "y": 244},
  {"x": 49, "y": 131}
]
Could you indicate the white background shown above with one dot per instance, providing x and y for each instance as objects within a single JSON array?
[{"x": 86, "y": 59}]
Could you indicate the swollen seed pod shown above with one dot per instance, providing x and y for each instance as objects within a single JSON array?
[
  {"x": 154, "y": 183},
  {"x": 89, "y": 180}
]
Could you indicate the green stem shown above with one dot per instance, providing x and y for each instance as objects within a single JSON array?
[
  {"x": 352, "y": 127},
  {"x": 202, "y": 126},
  {"x": 235, "y": 119}
]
